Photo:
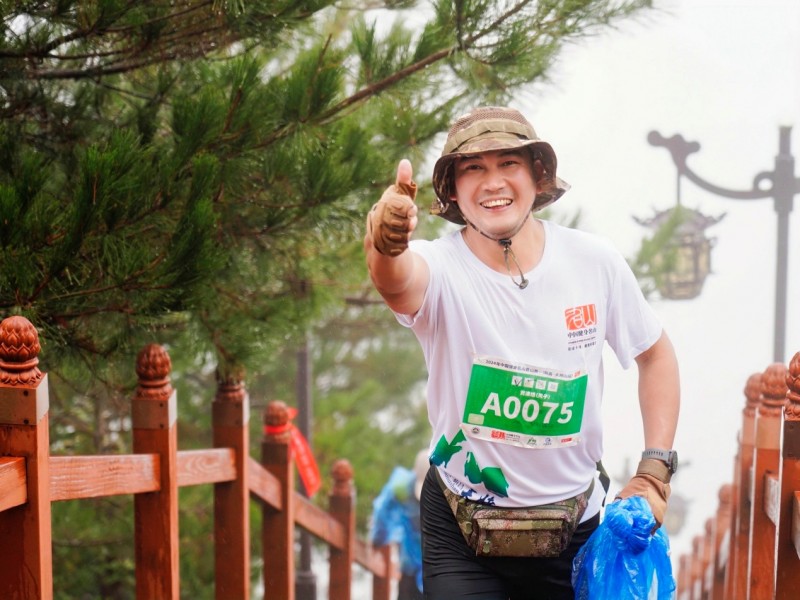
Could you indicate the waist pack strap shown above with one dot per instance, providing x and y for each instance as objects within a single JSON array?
[
  {"x": 604, "y": 478},
  {"x": 453, "y": 498}
]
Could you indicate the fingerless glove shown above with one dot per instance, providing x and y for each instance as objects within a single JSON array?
[
  {"x": 389, "y": 221},
  {"x": 651, "y": 482}
]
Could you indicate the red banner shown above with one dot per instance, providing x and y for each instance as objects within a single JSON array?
[{"x": 301, "y": 452}]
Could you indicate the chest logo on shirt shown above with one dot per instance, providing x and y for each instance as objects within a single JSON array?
[{"x": 581, "y": 324}]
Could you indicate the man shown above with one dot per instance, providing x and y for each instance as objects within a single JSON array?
[
  {"x": 512, "y": 314},
  {"x": 395, "y": 519}
]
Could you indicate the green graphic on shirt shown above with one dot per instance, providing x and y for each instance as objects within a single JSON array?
[
  {"x": 445, "y": 450},
  {"x": 491, "y": 477}
]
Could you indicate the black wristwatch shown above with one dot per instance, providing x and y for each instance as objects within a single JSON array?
[{"x": 669, "y": 457}]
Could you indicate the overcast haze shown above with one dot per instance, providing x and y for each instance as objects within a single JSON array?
[{"x": 725, "y": 74}]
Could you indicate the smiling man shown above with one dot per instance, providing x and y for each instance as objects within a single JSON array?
[{"x": 512, "y": 314}]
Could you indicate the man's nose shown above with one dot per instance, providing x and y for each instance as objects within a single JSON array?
[{"x": 493, "y": 180}]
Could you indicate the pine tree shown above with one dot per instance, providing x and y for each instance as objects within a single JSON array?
[
  {"x": 196, "y": 172},
  {"x": 182, "y": 166}
]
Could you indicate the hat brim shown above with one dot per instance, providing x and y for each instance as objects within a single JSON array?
[{"x": 548, "y": 189}]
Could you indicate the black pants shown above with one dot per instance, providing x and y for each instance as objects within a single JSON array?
[
  {"x": 452, "y": 571},
  {"x": 407, "y": 589}
]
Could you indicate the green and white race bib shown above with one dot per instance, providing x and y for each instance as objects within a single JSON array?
[{"x": 523, "y": 405}]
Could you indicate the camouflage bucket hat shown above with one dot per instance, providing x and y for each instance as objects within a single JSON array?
[{"x": 492, "y": 128}]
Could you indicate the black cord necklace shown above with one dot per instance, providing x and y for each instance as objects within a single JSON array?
[
  {"x": 507, "y": 251},
  {"x": 505, "y": 242}
]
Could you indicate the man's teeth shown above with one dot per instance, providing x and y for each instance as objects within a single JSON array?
[{"x": 496, "y": 203}]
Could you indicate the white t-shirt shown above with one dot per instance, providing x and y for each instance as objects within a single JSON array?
[{"x": 580, "y": 295}]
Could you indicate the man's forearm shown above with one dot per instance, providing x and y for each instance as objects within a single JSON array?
[{"x": 659, "y": 394}]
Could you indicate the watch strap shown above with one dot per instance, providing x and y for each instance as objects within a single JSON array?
[
  {"x": 670, "y": 457},
  {"x": 658, "y": 453}
]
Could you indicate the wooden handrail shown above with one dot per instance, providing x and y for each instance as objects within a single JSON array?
[
  {"x": 76, "y": 477},
  {"x": 80, "y": 477},
  {"x": 315, "y": 520},
  {"x": 211, "y": 465},
  {"x": 31, "y": 479},
  {"x": 264, "y": 485},
  {"x": 757, "y": 539},
  {"x": 13, "y": 490}
]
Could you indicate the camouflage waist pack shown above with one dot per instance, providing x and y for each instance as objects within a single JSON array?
[{"x": 539, "y": 531}]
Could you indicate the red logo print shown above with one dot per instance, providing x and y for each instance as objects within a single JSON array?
[
  {"x": 500, "y": 435},
  {"x": 581, "y": 316}
]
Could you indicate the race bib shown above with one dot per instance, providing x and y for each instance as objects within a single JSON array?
[{"x": 523, "y": 405}]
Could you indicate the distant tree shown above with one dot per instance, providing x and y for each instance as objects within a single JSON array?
[{"x": 196, "y": 172}]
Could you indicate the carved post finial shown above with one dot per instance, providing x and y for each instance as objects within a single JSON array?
[
  {"x": 19, "y": 352},
  {"x": 792, "y": 412},
  {"x": 342, "y": 473},
  {"x": 153, "y": 367},
  {"x": 276, "y": 421},
  {"x": 752, "y": 392},
  {"x": 773, "y": 390},
  {"x": 725, "y": 494},
  {"x": 230, "y": 388}
]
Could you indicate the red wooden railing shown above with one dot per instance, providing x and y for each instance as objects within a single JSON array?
[
  {"x": 750, "y": 549},
  {"x": 31, "y": 478}
]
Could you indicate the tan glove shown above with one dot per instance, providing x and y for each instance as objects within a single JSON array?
[
  {"x": 651, "y": 482},
  {"x": 389, "y": 221}
]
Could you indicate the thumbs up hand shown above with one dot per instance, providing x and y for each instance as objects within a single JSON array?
[{"x": 393, "y": 218}]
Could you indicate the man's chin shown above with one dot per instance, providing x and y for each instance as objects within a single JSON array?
[{"x": 504, "y": 229}]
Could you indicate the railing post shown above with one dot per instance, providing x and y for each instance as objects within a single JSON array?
[
  {"x": 26, "y": 566},
  {"x": 277, "y": 532},
  {"x": 766, "y": 462},
  {"x": 787, "y": 569},
  {"x": 696, "y": 569},
  {"x": 722, "y": 542},
  {"x": 708, "y": 558},
  {"x": 231, "y": 415},
  {"x": 736, "y": 577},
  {"x": 684, "y": 577},
  {"x": 382, "y": 586},
  {"x": 154, "y": 415},
  {"x": 342, "y": 508}
]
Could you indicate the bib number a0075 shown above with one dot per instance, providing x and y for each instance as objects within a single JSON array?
[{"x": 522, "y": 405}]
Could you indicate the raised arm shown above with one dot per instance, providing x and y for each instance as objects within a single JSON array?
[{"x": 399, "y": 275}]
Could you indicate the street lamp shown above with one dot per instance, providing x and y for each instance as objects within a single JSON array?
[
  {"x": 683, "y": 261},
  {"x": 784, "y": 186}
]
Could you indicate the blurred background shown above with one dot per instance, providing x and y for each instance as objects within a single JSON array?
[
  {"x": 201, "y": 181},
  {"x": 726, "y": 74}
]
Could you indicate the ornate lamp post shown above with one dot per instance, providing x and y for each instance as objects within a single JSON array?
[
  {"x": 682, "y": 264},
  {"x": 784, "y": 186}
]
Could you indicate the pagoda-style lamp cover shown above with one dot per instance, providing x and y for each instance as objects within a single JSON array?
[{"x": 682, "y": 258}]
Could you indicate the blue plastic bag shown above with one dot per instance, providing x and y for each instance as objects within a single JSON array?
[{"x": 622, "y": 560}]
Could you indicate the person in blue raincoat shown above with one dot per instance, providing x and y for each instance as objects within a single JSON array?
[{"x": 395, "y": 519}]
